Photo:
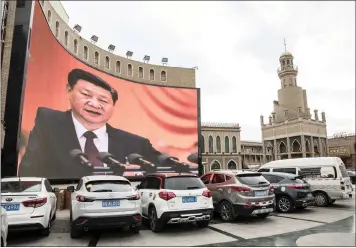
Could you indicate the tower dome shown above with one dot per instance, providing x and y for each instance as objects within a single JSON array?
[{"x": 286, "y": 54}]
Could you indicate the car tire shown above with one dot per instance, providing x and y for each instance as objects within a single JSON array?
[
  {"x": 262, "y": 216},
  {"x": 54, "y": 216},
  {"x": 332, "y": 201},
  {"x": 155, "y": 223},
  {"x": 203, "y": 223},
  {"x": 135, "y": 229},
  {"x": 321, "y": 199},
  {"x": 2, "y": 243},
  {"x": 284, "y": 204},
  {"x": 226, "y": 211},
  {"x": 46, "y": 231},
  {"x": 74, "y": 233}
]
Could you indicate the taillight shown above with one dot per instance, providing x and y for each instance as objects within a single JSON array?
[
  {"x": 35, "y": 203},
  {"x": 241, "y": 189},
  {"x": 81, "y": 198},
  {"x": 295, "y": 186},
  {"x": 135, "y": 197},
  {"x": 207, "y": 193},
  {"x": 166, "y": 195}
]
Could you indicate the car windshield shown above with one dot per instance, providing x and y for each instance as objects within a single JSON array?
[
  {"x": 252, "y": 179},
  {"x": 21, "y": 186},
  {"x": 108, "y": 186},
  {"x": 183, "y": 183}
]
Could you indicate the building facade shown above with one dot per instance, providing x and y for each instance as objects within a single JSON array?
[
  {"x": 221, "y": 146},
  {"x": 251, "y": 154},
  {"x": 291, "y": 132},
  {"x": 344, "y": 147},
  {"x": 105, "y": 60}
]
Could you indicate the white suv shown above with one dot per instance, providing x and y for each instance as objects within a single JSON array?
[
  {"x": 30, "y": 203},
  {"x": 104, "y": 201},
  {"x": 175, "y": 198}
]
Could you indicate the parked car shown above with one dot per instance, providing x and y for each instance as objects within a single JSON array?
[
  {"x": 4, "y": 227},
  {"x": 104, "y": 201},
  {"x": 291, "y": 191},
  {"x": 172, "y": 198},
  {"x": 327, "y": 176},
  {"x": 352, "y": 175},
  {"x": 239, "y": 193},
  {"x": 30, "y": 203}
]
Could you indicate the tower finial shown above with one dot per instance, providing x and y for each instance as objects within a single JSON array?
[{"x": 285, "y": 45}]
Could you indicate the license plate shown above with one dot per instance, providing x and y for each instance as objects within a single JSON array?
[
  {"x": 11, "y": 207},
  {"x": 106, "y": 204},
  {"x": 189, "y": 199},
  {"x": 260, "y": 193}
]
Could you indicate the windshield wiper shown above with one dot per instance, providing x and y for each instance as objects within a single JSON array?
[
  {"x": 195, "y": 187},
  {"x": 103, "y": 190}
]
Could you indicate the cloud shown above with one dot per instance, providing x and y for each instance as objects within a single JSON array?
[{"x": 236, "y": 46}]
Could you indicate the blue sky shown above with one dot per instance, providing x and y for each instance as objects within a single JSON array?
[{"x": 236, "y": 46}]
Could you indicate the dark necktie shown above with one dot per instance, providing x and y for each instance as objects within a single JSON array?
[{"x": 90, "y": 149}]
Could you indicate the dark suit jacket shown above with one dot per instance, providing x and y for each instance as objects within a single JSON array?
[{"x": 54, "y": 136}]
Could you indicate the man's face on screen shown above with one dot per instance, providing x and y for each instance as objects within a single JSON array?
[{"x": 90, "y": 103}]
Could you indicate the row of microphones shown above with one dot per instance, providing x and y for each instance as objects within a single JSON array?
[{"x": 118, "y": 168}]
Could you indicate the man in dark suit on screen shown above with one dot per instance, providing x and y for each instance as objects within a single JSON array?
[{"x": 84, "y": 127}]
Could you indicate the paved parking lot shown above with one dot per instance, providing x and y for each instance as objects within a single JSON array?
[{"x": 309, "y": 227}]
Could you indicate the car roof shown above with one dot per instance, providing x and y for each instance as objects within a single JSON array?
[
  {"x": 15, "y": 179},
  {"x": 104, "y": 177},
  {"x": 233, "y": 172},
  {"x": 301, "y": 162},
  {"x": 173, "y": 174},
  {"x": 282, "y": 174}
]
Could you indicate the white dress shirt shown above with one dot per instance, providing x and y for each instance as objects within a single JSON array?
[{"x": 102, "y": 140}]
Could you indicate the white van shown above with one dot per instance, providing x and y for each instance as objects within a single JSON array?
[{"x": 327, "y": 176}]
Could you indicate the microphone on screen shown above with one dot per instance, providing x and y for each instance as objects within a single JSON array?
[{"x": 79, "y": 157}]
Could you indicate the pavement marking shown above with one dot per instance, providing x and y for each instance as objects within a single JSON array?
[
  {"x": 295, "y": 218},
  {"x": 226, "y": 233}
]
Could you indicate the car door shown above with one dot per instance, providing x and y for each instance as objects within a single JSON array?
[
  {"x": 217, "y": 184},
  {"x": 142, "y": 189},
  {"x": 52, "y": 197}
]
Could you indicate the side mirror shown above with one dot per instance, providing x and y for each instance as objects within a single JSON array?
[
  {"x": 70, "y": 189},
  {"x": 55, "y": 190}
]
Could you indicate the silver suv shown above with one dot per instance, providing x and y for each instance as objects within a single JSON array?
[{"x": 238, "y": 193}]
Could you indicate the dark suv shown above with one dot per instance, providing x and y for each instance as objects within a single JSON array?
[{"x": 291, "y": 191}]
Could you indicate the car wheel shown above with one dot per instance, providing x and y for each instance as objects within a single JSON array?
[
  {"x": 262, "y": 216},
  {"x": 321, "y": 199},
  {"x": 70, "y": 216},
  {"x": 2, "y": 243},
  {"x": 46, "y": 231},
  {"x": 135, "y": 229},
  {"x": 54, "y": 216},
  {"x": 332, "y": 201},
  {"x": 226, "y": 211},
  {"x": 203, "y": 223},
  {"x": 155, "y": 223},
  {"x": 74, "y": 233},
  {"x": 284, "y": 204}
]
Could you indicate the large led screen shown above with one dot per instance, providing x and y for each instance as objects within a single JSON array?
[{"x": 73, "y": 115}]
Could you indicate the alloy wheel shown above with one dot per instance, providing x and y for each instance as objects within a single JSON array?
[
  {"x": 225, "y": 212},
  {"x": 153, "y": 219},
  {"x": 284, "y": 204}
]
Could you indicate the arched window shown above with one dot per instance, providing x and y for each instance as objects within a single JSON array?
[
  {"x": 296, "y": 147},
  {"x": 211, "y": 144},
  {"x": 129, "y": 70},
  {"x": 57, "y": 29},
  {"x": 218, "y": 144},
  {"x": 163, "y": 76},
  {"x": 234, "y": 144},
  {"x": 282, "y": 148},
  {"x": 202, "y": 144},
  {"x": 66, "y": 38},
  {"x": 227, "y": 145},
  {"x": 85, "y": 53},
  {"x": 107, "y": 62},
  {"x": 49, "y": 16},
  {"x": 215, "y": 165},
  {"x": 140, "y": 72},
  {"x": 96, "y": 58},
  {"x": 152, "y": 75},
  {"x": 118, "y": 67},
  {"x": 75, "y": 46},
  {"x": 231, "y": 165}
]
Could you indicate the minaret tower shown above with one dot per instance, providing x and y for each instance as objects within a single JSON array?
[{"x": 287, "y": 72}]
